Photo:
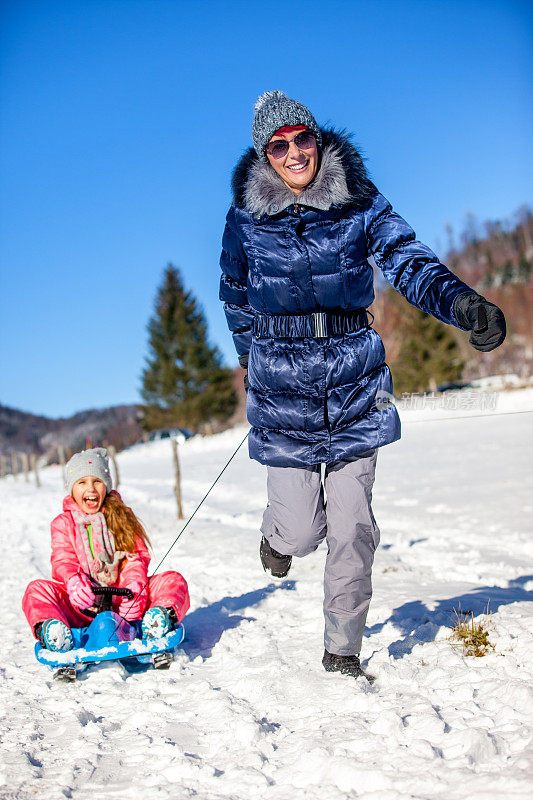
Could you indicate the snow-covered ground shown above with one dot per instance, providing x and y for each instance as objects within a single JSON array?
[{"x": 246, "y": 710}]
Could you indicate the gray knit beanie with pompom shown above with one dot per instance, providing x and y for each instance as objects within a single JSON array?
[
  {"x": 274, "y": 110},
  {"x": 93, "y": 462}
]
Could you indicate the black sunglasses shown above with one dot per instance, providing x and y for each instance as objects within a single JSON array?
[{"x": 304, "y": 140}]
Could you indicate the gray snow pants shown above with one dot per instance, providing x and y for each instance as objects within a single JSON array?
[{"x": 297, "y": 519}]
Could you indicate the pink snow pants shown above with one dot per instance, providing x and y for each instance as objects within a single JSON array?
[{"x": 49, "y": 600}]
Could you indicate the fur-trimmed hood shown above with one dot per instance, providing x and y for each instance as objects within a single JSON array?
[{"x": 341, "y": 180}]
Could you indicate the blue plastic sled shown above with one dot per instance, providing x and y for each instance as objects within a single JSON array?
[{"x": 109, "y": 637}]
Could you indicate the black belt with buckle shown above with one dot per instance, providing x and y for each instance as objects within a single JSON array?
[{"x": 319, "y": 325}]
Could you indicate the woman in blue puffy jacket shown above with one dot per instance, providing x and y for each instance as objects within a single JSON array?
[{"x": 296, "y": 283}]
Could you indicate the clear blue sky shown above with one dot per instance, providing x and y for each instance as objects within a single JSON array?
[{"x": 121, "y": 121}]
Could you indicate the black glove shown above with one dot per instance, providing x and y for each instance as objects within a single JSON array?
[
  {"x": 484, "y": 319},
  {"x": 243, "y": 361}
]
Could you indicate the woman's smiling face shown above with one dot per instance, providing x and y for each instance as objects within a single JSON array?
[
  {"x": 89, "y": 493},
  {"x": 298, "y": 167}
]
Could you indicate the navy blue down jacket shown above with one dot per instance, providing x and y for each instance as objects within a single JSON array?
[{"x": 312, "y": 398}]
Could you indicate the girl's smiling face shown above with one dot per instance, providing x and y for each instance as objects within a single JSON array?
[{"x": 89, "y": 493}]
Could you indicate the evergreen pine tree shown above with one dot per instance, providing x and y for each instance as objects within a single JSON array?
[
  {"x": 184, "y": 382},
  {"x": 429, "y": 353}
]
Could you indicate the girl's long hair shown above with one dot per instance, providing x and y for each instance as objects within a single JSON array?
[{"x": 123, "y": 523}]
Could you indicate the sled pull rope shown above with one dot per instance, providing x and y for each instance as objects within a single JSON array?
[{"x": 222, "y": 471}]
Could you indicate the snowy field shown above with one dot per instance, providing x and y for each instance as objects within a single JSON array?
[{"x": 246, "y": 710}]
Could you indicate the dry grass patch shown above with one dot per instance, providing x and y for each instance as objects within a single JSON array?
[{"x": 471, "y": 634}]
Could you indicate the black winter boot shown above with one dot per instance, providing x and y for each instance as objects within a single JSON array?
[
  {"x": 278, "y": 564},
  {"x": 38, "y": 631},
  {"x": 172, "y": 617},
  {"x": 346, "y": 665}
]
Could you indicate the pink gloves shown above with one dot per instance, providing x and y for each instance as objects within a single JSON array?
[
  {"x": 79, "y": 591},
  {"x": 134, "y": 609},
  {"x": 82, "y": 596}
]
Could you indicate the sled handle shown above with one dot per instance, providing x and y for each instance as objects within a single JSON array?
[
  {"x": 108, "y": 592},
  {"x": 111, "y": 590}
]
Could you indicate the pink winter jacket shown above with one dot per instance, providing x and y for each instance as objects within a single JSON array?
[{"x": 68, "y": 556}]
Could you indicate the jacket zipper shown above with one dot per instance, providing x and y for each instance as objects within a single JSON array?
[
  {"x": 90, "y": 532},
  {"x": 326, "y": 415}
]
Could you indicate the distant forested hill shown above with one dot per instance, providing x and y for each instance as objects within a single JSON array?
[
  {"x": 120, "y": 426},
  {"x": 24, "y": 432}
]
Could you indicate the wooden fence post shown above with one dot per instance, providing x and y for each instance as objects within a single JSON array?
[
  {"x": 61, "y": 454},
  {"x": 112, "y": 450},
  {"x": 177, "y": 487},
  {"x": 14, "y": 465},
  {"x": 33, "y": 462},
  {"x": 25, "y": 465}
]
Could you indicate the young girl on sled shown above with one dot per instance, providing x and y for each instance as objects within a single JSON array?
[{"x": 98, "y": 541}]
